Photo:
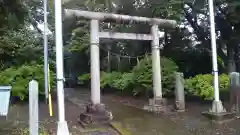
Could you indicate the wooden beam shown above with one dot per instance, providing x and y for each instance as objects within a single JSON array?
[
  {"x": 130, "y": 36},
  {"x": 118, "y": 17}
]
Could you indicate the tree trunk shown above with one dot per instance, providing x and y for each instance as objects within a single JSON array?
[
  {"x": 109, "y": 62},
  {"x": 237, "y": 58},
  {"x": 231, "y": 60}
]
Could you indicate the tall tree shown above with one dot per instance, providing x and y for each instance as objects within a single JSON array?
[{"x": 12, "y": 13}]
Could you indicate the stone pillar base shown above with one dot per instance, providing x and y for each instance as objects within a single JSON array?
[
  {"x": 180, "y": 106},
  {"x": 218, "y": 114},
  {"x": 156, "y": 105},
  {"x": 95, "y": 114}
]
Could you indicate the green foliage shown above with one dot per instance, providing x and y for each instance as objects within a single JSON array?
[
  {"x": 171, "y": 9},
  {"x": 139, "y": 80},
  {"x": 80, "y": 39},
  {"x": 113, "y": 79},
  {"x": 19, "y": 47},
  {"x": 109, "y": 79},
  {"x": 84, "y": 77},
  {"x": 19, "y": 77},
  {"x": 117, "y": 80},
  {"x": 12, "y": 13},
  {"x": 224, "y": 81},
  {"x": 125, "y": 81},
  {"x": 143, "y": 75},
  {"x": 202, "y": 85}
]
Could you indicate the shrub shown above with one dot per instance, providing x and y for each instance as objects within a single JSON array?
[
  {"x": 107, "y": 79},
  {"x": 84, "y": 79},
  {"x": 139, "y": 80},
  {"x": 19, "y": 77},
  {"x": 202, "y": 85},
  {"x": 124, "y": 82},
  {"x": 143, "y": 75}
]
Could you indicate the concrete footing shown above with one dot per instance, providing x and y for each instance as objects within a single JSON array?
[
  {"x": 218, "y": 114},
  {"x": 62, "y": 128},
  {"x": 156, "y": 105},
  {"x": 179, "y": 106},
  {"x": 217, "y": 107},
  {"x": 95, "y": 114}
]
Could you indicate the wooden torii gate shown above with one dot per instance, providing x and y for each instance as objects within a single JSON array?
[{"x": 95, "y": 36}]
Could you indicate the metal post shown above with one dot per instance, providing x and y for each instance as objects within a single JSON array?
[
  {"x": 157, "y": 85},
  {"x": 217, "y": 104},
  {"x": 33, "y": 108},
  {"x": 62, "y": 128},
  {"x": 45, "y": 50},
  {"x": 95, "y": 64}
]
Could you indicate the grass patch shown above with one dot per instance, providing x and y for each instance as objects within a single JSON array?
[{"x": 120, "y": 129}]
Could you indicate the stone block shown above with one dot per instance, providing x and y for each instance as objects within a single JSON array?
[
  {"x": 95, "y": 115},
  {"x": 218, "y": 114},
  {"x": 156, "y": 105},
  {"x": 157, "y": 101},
  {"x": 219, "y": 118},
  {"x": 180, "y": 106}
]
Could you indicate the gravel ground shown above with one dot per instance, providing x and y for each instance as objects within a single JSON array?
[
  {"x": 17, "y": 121},
  {"x": 126, "y": 111}
]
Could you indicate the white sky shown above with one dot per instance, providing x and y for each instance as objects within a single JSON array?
[{"x": 41, "y": 27}]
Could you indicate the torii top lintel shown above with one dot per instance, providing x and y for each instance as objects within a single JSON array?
[{"x": 101, "y": 16}]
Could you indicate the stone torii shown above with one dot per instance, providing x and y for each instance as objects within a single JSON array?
[{"x": 96, "y": 107}]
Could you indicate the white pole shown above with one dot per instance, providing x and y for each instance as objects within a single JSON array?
[
  {"x": 217, "y": 106},
  {"x": 157, "y": 85},
  {"x": 45, "y": 50},
  {"x": 214, "y": 50},
  {"x": 95, "y": 64},
  {"x": 62, "y": 124}
]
